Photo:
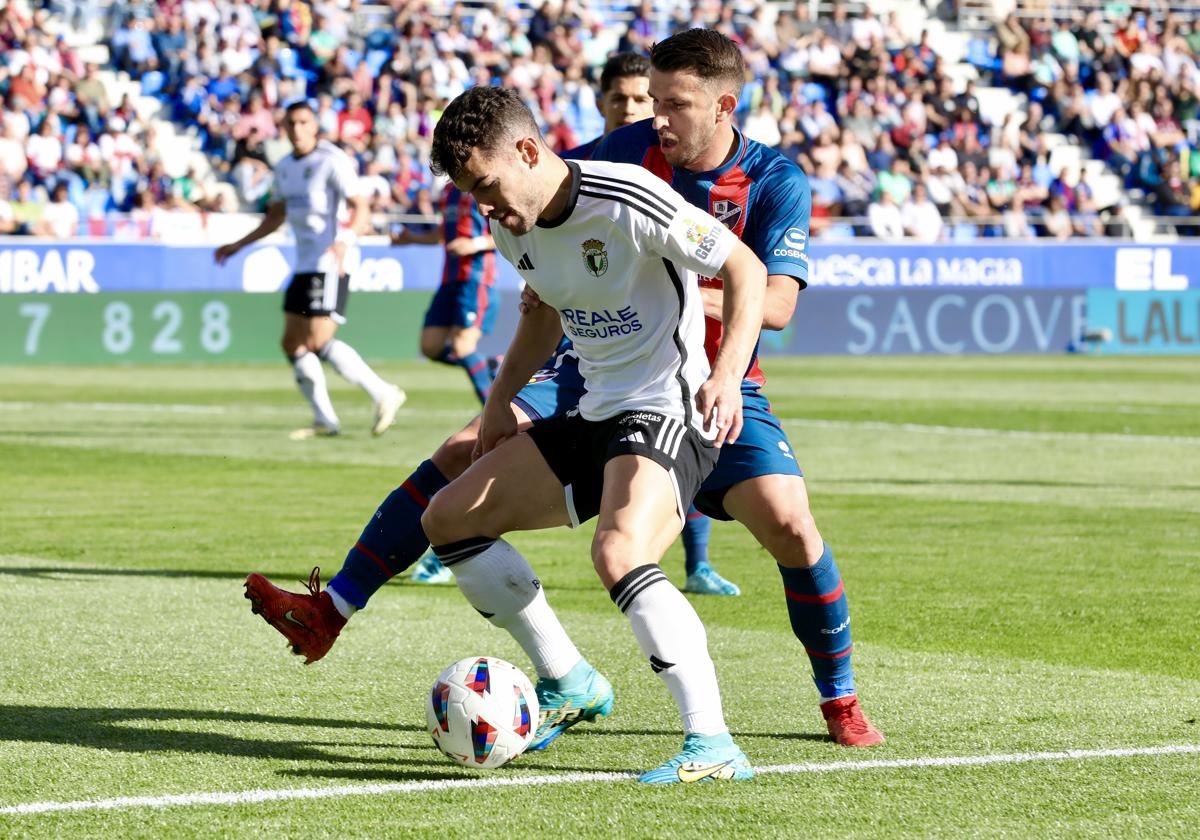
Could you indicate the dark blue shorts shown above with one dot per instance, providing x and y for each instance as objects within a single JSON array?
[
  {"x": 761, "y": 449},
  {"x": 463, "y": 305},
  {"x": 554, "y": 389}
]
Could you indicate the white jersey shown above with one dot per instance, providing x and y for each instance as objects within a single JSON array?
[
  {"x": 314, "y": 188},
  {"x": 620, "y": 265}
]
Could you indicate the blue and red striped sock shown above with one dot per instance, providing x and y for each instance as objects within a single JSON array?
[
  {"x": 695, "y": 540},
  {"x": 816, "y": 602},
  {"x": 477, "y": 368},
  {"x": 392, "y": 541}
]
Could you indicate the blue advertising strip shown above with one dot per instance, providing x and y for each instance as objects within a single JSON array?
[
  {"x": 1145, "y": 322},
  {"x": 30, "y": 266}
]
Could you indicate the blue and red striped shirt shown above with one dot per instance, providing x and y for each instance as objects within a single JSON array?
[
  {"x": 461, "y": 218},
  {"x": 758, "y": 193}
]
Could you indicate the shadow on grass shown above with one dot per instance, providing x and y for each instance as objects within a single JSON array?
[
  {"x": 58, "y": 572},
  {"x": 127, "y": 730},
  {"x": 602, "y": 731}
]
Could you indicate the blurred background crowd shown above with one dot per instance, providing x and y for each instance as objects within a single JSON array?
[{"x": 947, "y": 121}]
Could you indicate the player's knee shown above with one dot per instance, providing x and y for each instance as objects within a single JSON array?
[
  {"x": 614, "y": 555},
  {"x": 315, "y": 344},
  {"x": 794, "y": 539},
  {"x": 454, "y": 456},
  {"x": 431, "y": 349},
  {"x": 438, "y": 520}
]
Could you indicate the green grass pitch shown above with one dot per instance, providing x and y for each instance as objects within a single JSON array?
[{"x": 1018, "y": 538}]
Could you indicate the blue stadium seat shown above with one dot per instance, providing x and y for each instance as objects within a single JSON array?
[
  {"x": 963, "y": 232},
  {"x": 812, "y": 92},
  {"x": 153, "y": 82},
  {"x": 980, "y": 54},
  {"x": 289, "y": 65},
  {"x": 376, "y": 59}
]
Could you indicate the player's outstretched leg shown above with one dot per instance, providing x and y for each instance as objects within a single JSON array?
[
  {"x": 477, "y": 366},
  {"x": 310, "y": 378},
  {"x": 391, "y": 541},
  {"x": 309, "y": 621},
  {"x": 702, "y": 578},
  {"x": 775, "y": 509},
  {"x": 499, "y": 583},
  {"x": 820, "y": 617},
  {"x": 388, "y": 398}
]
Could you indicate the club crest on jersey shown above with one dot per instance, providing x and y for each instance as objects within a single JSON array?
[
  {"x": 595, "y": 258},
  {"x": 727, "y": 213}
]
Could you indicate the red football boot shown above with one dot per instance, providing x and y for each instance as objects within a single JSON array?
[
  {"x": 310, "y": 622},
  {"x": 847, "y": 724}
]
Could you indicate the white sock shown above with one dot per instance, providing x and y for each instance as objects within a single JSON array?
[
  {"x": 351, "y": 367},
  {"x": 310, "y": 376},
  {"x": 673, "y": 638},
  {"x": 341, "y": 604},
  {"x": 500, "y": 584}
]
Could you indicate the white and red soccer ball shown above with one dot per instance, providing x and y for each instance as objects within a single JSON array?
[{"x": 482, "y": 712}]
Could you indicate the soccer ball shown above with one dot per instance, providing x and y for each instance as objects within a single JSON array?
[{"x": 481, "y": 712}]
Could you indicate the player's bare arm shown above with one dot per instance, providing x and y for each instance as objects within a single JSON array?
[
  {"x": 538, "y": 333},
  {"x": 424, "y": 237},
  {"x": 778, "y": 306},
  {"x": 465, "y": 246},
  {"x": 719, "y": 399},
  {"x": 275, "y": 216}
]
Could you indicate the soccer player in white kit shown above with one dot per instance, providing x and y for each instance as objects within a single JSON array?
[
  {"x": 310, "y": 187},
  {"x": 614, "y": 255}
]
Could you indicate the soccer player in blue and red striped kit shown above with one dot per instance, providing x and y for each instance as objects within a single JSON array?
[
  {"x": 692, "y": 143},
  {"x": 463, "y": 308}
]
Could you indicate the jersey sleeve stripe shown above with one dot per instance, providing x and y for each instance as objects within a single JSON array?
[
  {"x": 604, "y": 182},
  {"x": 685, "y": 391},
  {"x": 653, "y": 216}
]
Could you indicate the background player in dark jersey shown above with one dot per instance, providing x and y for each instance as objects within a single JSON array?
[
  {"x": 463, "y": 308},
  {"x": 764, "y": 198}
]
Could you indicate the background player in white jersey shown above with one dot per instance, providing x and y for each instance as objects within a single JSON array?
[
  {"x": 616, "y": 253},
  {"x": 310, "y": 187}
]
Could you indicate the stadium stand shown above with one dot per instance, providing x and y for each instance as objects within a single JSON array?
[{"x": 949, "y": 121}]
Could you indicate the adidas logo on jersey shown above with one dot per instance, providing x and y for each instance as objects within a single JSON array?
[
  {"x": 525, "y": 264},
  {"x": 633, "y": 437}
]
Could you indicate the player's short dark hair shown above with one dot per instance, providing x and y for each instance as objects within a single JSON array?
[
  {"x": 623, "y": 65},
  {"x": 710, "y": 55},
  {"x": 480, "y": 118},
  {"x": 299, "y": 105}
]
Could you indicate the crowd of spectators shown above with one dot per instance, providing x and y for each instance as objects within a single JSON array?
[{"x": 867, "y": 108}]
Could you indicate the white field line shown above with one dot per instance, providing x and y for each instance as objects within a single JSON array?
[
  {"x": 498, "y": 781},
  {"x": 869, "y": 425},
  {"x": 192, "y": 408}
]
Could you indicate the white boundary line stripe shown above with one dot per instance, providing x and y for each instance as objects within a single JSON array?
[
  {"x": 286, "y": 794},
  {"x": 869, "y": 425}
]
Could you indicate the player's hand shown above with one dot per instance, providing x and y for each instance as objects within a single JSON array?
[
  {"x": 225, "y": 252},
  {"x": 529, "y": 300},
  {"x": 720, "y": 405},
  {"x": 461, "y": 246},
  {"x": 497, "y": 425}
]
